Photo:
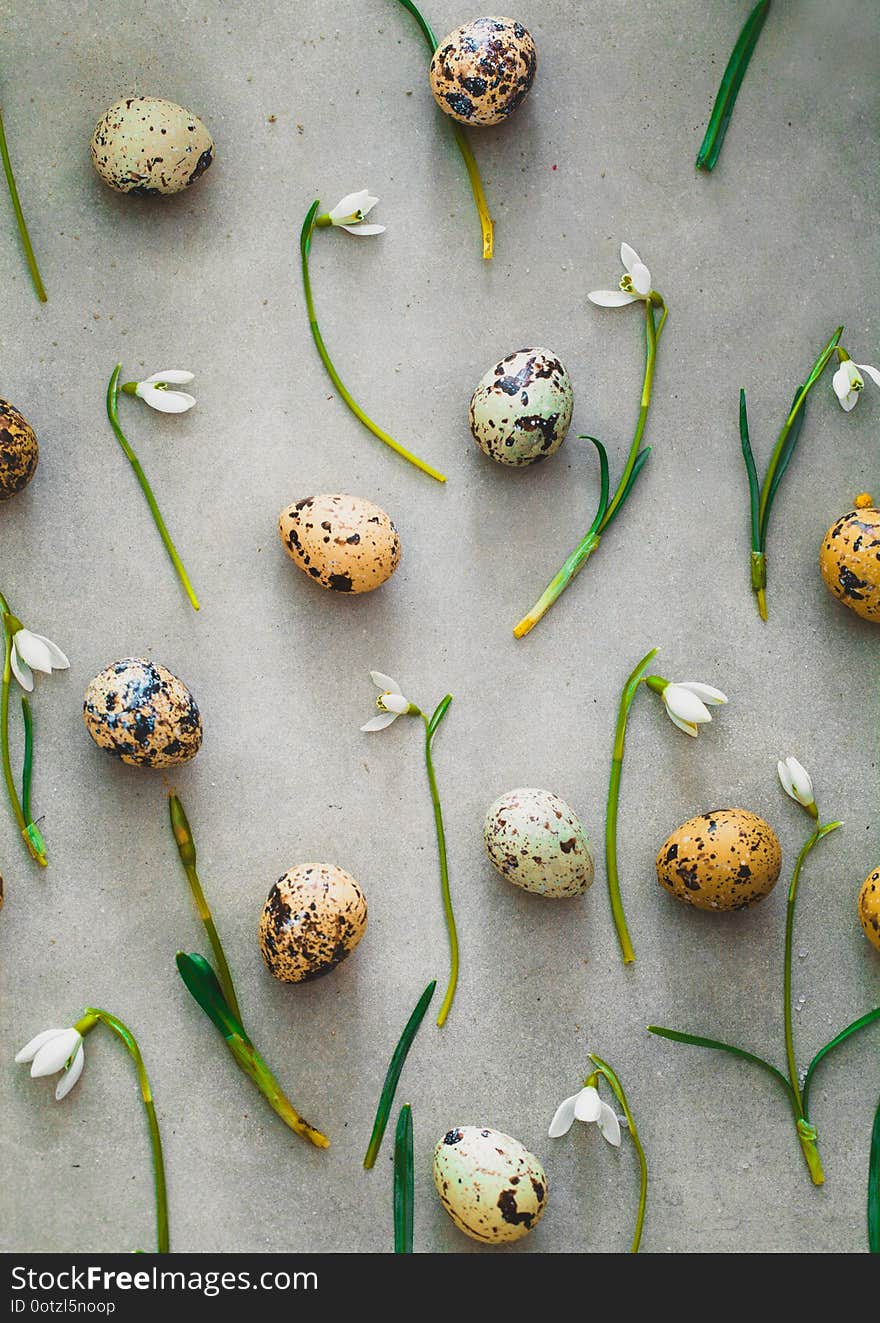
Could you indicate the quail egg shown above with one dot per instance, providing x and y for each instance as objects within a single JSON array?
[
  {"x": 493, "y": 1189},
  {"x": 145, "y": 144},
  {"x": 138, "y": 711},
  {"x": 869, "y": 907},
  {"x": 343, "y": 543},
  {"x": 536, "y": 841},
  {"x": 19, "y": 451},
  {"x": 481, "y": 71},
  {"x": 315, "y": 916},
  {"x": 724, "y": 860},
  {"x": 521, "y": 409},
  {"x": 849, "y": 559}
]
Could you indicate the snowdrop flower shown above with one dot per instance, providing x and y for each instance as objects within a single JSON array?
[
  {"x": 848, "y": 382},
  {"x": 154, "y": 391},
  {"x": 54, "y": 1050},
  {"x": 797, "y": 784},
  {"x": 588, "y": 1107},
  {"x": 685, "y": 703},
  {"x": 33, "y": 652},
  {"x": 635, "y": 285},
  {"x": 391, "y": 703},
  {"x": 349, "y": 213}
]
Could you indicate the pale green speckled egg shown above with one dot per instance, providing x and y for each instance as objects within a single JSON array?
[
  {"x": 492, "y": 1187},
  {"x": 521, "y": 410},
  {"x": 537, "y": 842}
]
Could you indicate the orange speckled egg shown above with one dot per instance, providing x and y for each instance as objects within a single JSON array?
[
  {"x": 849, "y": 559},
  {"x": 869, "y": 907},
  {"x": 19, "y": 451},
  {"x": 343, "y": 543},
  {"x": 314, "y": 917},
  {"x": 724, "y": 860}
]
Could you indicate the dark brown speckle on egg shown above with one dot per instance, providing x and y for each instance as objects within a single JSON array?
[
  {"x": 19, "y": 451},
  {"x": 141, "y": 713}
]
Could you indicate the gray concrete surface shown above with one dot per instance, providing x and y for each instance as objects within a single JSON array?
[{"x": 758, "y": 262}]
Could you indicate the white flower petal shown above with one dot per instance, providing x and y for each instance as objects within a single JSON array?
[
  {"x": 873, "y": 373},
  {"x": 609, "y": 1124},
  {"x": 703, "y": 691},
  {"x": 174, "y": 376},
  {"x": 587, "y": 1104},
  {"x": 53, "y": 1054},
  {"x": 21, "y": 671},
  {"x": 611, "y": 298},
  {"x": 395, "y": 703},
  {"x": 59, "y": 661},
  {"x": 380, "y": 722},
  {"x": 850, "y": 401},
  {"x": 796, "y": 781},
  {"x": 361, "y": 229},
  {"x": 32, "y": 650},
  {"x": 641, "y": 278},
  {"x": 687, "y": 726},
  {"x": 682, "y": 703},
  {"x": 71, "y": 1075},
  {"x": 563, "y": 1118},
  {"x": 840, "y": 381},
  {"x": 165, "y": 401},
  {"x": 351, "y": 204},
  {"x": 30, "y": 1050},
  {"x": 384, "y": 682},
  {"x": 629, "y": 257}
]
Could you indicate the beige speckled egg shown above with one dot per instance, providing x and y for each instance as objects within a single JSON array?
[
  {"x": 481, "y": 71},
  {"x": 521, "y": 409},
  {"x": 493, "y": 1189},
  {"x": 724, "y": 860},
  {"x": 145, "y": 144},
  {"x": 315, "y": 916},
  {"x": 536, "y": 841},
  {"x": 869, "y": 907},
  {"x": 343, "y": 543},
  {"x": 849, "y": 559},
  {"x": 19, "y": 451},
  {"x": 138, "y": 711}
]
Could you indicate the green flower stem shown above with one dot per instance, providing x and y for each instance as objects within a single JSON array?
[
  {"x": 90, "y": 1017},
  {"x": 186, "y": 847},
  {"x": 617, "y": 1089},
  {"x": 464, "y": 147},
  {"x": 430, "y": 731},
  {"x": 30, "y": 834},
  {"x": 113, "y": 415},
  {"x": 305, "y": 243},
  {"x": 730, "y": 85},
  {"x": 19, "y": 217},
  {"x": 590, "y": 541},
  {"x": 630, "y": 689},
  {"x": 27, "y": 765},
  {"x": 253, "y": 1065}
]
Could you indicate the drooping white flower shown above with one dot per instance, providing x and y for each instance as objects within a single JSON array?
[
  {"x": 634, "y": 286},
  {"x": 34, "y": 652},
  {"x": 588, "y": 1107},
  {"x": 391, "y": 702},
  {"x": 154, "y": 391},
  {"x": 796, "y": 782},
  {"x": 54, "y": 1050},
  {"x": 350, "y": 211},
  {"x": 849, "y": 383},
  {"x": 685, "y": 702}
]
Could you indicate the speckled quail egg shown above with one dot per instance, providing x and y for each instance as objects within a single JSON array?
[
  {"x": 138, "y": 711},
  {"x": 724, "y": 860},
  {"x": 521, "y": 409},
  {"x": 849, "y": 559},
  {"x": 492, "y": 1187},
  {"x": 343, "y": 543},
  {"x": 481, "y": 71},
  {"x": 314, "y": 917},
  {"x": 19, "y": 451},
  {"x": 536, "y": 841},
  {"x": 145, "y": 144},
  {"x": 869, "y": 907}
]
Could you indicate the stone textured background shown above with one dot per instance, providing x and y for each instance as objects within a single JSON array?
[{"x": 758, "y": 263}]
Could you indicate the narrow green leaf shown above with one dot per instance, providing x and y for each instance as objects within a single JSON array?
[
  {"x": 641, "y": 460},
  {"x": 438, "y": 714},
  {"x": 695, "y": 1041},
  {"x": 862, "y": 1022},
  {"x": 403, "y": 1182},
  {"x": 203, "y": 984},
  {"x": 730, "y": 85},
  {"x": 392, "y": 1075},
  {"x": 27, "y": 765},
  {"x": 785, "y": 455},
  {"x": 874, "y": 1187},
  {"x": 604, "y": 482},
  {"x": 751, "y": 471},
  {"x": 305, "y": 234}
]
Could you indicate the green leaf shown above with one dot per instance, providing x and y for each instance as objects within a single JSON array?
[
  {"x": 641, "y": 460},
  {"x": 844, "y": 1034},
  {"x": 695, "y": 1041},
  {"x": 603, "y": 478},
  {"x": 308, "y": 225},
  {"x": 392, "y": 1075},
  {"x": 874, "y": 1187},
  {"x": 438, "y": 714},
  {"x": 730, "y": 85},
  {"x": 203, "y": 984},
  {"x": 751, "y": 471},
  {"x": 785, "y": 455},
  {"x": 403, "y": 1182}
]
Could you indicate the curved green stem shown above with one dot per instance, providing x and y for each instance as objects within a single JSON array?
[
  {"x": 617, "y": 1089},
  {"x": 630, "y": 689},
  {"x": 89, "y": 1017},
  {"x": 113, "y": 415},
  {"x": 29, "y": 832},
  {"x": 305, "y": 244},
  {"x": 431, "y": 726},
  {"x": 37, "y": 279},
  {"x": 652, "y": 335}
]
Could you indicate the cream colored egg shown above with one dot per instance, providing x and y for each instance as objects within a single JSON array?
[
  {"x": 145, "y": 144},
  {"x": 537, "y": 842},
  {"x": 492, "y": 1187},
  {"x": 343, "y": 543},
  {"x": 521, "y": 409}
]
